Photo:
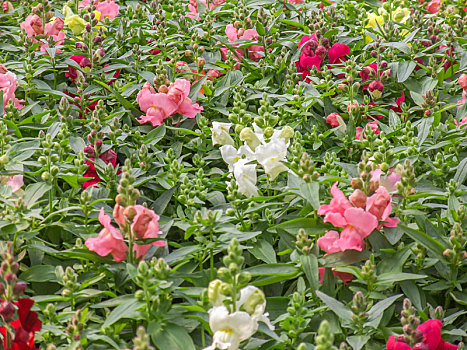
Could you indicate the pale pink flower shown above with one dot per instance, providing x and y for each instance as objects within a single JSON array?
[
  {"x": 389, "y": 182},
  {"x": 433, "y": 6},
  {"x": 360, "y": 132},
  {"x": 15, "y": 182},
  {"x": 379, "y": 204},
  {"x": 32, "y": 25},
  {"x": 8, "y": 87},
  {"x": 109, "y": 241},
  {"x": 55, "y": 27},
  {"x": 108, "y": 8},
  {"x": 84, "y": 3},
  {"x": 248, "y": 34}
]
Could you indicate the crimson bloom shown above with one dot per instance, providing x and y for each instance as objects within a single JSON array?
[
  {"x": 108, "y": 157},
  {"x": 431, "y": 340},
  {"x": 314, "y": 52},
  {"x": 25, "y": 325}
]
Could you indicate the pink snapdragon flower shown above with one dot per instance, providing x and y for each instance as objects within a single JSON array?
[
  {"x": 107, "y": 8},
  {"x": 144, "y": 225},
  {"x": 161, "y": 105},
  {"x": 33, "y": 26},
  {"x": 235, "y": 34},
  {"x": 8, "y": 87},
  {"x": 379, "y": 204},
  {"x": 109, "y": 241},
  {"x": 357, "y": 224},
  {"x": 433, "y": 6}
]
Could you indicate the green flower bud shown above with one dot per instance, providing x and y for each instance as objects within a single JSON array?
[{"x": 250, "y": 138}]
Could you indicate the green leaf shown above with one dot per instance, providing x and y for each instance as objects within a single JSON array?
[
  {"x": 310, "y": 267},
  {"x": 260, "y": 28},
  {"x": 263, "y": 250},
  {"x": 34, "y": 192},
  {"x": 170, "y": 336},
  {"x": 390, "y": 277},
  {"x": 346, "y": 258},
  {"x": 404, "y": 70},
  {"x": 231, "y": 80},
  {"x": 310, "y": 191},
  {"x": 461, "y": 172},
  {"x": 428, "y": 242},
  {"x": 394, "y": 120},
  {"x": 272, "y": 269},
  {"x": 336, "y": 306},
  {"x": 424, "y": 129},
  {"x": 40, "y": 273},
  {"x": 376, "y": 312},
  {"x": 127, "y": 309},
  {"x": 358, "y": 341}
]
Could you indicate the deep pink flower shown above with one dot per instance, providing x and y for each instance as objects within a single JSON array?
[
  {"x": 333, "y": 119},
  {"x": 360, "y": 131},
  {"x": 376, "y": 85},
  {"x": 337, "y": 52},
  {"x": 399, "y": 101},
  {"x": 313, "y": 54},
  {"x": 367, "y": 72},
  {"x": 432, "y": 6},
  {"x": 83, "y": 63},
  {"x": 109, "y": 241},
  {"x": 432, "y": 340}
]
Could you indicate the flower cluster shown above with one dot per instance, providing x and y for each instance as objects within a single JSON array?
[
  {"x": 358, "y": 216},
  {"x": 315, "y": 48},
  {"x": 167, "y": 101},
  {"x": 142, "y": 223},
  {"x": 234, "y": 32},
  {"x": 108, "y": 157},
  {"x": 268, "y": 150}
]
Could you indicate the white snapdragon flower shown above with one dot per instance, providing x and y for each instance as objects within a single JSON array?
[
  {"x": 245, "y": 175},
  {"x": 270, "y": 156},
  {"x": 231, "y": 155},
  {"x": 230, "y": 329},
  {"x": 220, "y": 134}
]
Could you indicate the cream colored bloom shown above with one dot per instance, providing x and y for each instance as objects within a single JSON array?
[{"x": 220, "y": 134}]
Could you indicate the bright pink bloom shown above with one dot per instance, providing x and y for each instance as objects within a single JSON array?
[
  {"x": 399, "y": 101},
  {"x": 344, "y": 276},
  {"x": 145, "y": 226},
  {"x": 360, "y": 131},
  {"x": 432, "y": 340},
  {"x": 337, "y": 52},
  {"x": 108, "y": 9},
  {"x": 432, "y": 6},
  {"x": 109, "y": 241},
  {"x": 334, "y": 211},
  {"x": 379, "y": 204}
]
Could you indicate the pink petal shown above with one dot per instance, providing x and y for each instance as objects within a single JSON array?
[
  {"x": 231, "y": 32},
  {"x": 363, "y": 222},
  {"x": 310, "y": 61}
]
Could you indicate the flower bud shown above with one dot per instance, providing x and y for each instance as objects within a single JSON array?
[{"x": 247, "y": 135}]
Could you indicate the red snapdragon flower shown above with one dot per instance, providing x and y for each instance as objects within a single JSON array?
[
  {"x": 25, "y": 325},
  {"x": 313, "y": 54},
  {"x": 432, "y": 340},
  {"x": 108, "y": 157}
]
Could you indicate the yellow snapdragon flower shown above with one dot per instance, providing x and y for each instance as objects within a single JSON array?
[{"x": 376, "y": 21}]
